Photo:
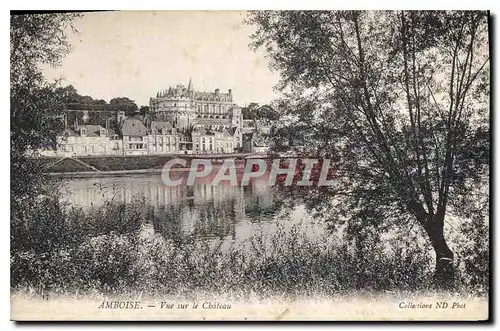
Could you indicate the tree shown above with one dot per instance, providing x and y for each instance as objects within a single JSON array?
[
  {"x": 35, "y": 108},
  {"x": 398, "y": 99},
  {"x": 88, "y": 100},
  {"x": 69, "y": 95},
  {"x": 144, "y": 110},
  {"x": 267, "y": 112},
  {"x": 249, "y": 112},
  {"x": 129, "y": 106},
  {"x": 100, "y": 102}
]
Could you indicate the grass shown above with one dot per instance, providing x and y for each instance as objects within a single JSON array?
[
  {"x": 108, "y": 163},
  {"x": 112, "y": 163},
  {"x": 105, "y": 252}
]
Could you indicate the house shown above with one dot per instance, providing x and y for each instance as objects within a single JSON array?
[
  {"x": 86, "y": 140},
  {"x": 163, "y": 138},
  {"x": 255, "y": 143},
  {"x": 212, "y": 141},
  {"x": 225, "y": 141},
  {"x": 135, "y": 137},
  {"x": 203, "y": 141}
]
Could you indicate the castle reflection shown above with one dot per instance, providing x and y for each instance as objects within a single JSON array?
[{"x": 203, "y": 210}]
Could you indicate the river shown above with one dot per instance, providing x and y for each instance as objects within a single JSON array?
[{"x": 205, "y": 211}]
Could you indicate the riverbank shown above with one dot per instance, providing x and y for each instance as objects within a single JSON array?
[
  {"x": 121, "y": 164},
  {"x": 104, "y": 174}
]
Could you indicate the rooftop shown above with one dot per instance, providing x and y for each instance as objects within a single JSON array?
[{"x": 133, "y": 127}]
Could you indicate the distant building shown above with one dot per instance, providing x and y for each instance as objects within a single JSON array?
[
  {"x": 135, "y": 137},
  {"x": 255, "y": 143},
  {"x": 162, "y": 138},
  {"x": 180, "y": 121},
  {"x": 87, "y": 140},
  {"x": 216, "y": 141},
  {"x": 184, "y": 107}
]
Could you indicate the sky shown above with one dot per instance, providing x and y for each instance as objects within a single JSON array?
[{"x": 135, "y": 54}]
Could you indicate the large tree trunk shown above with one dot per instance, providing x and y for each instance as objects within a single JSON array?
[{"x": 444, "y": 274}]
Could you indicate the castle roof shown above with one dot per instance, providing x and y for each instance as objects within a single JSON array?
[
  {"x": 189, "y": 92},
  {"x": 207, "y": 121},
  {"x": 200, "y": 131}
]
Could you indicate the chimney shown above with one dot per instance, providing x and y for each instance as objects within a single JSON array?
[
  {"x": 217, "y": 91},
  {"x": 230, "y": 92}
]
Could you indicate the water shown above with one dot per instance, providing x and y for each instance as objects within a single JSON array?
[{"x": 232, "y": 213}]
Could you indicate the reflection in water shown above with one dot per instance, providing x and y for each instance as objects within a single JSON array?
[{"x": 203, "y": 210}]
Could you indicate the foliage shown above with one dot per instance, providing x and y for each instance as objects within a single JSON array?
[
  {"x": 120, "y": 258},
  {"x": 144, "y": 110},
  {"x": 398, "y": 99},
  {"x": 74, "y": 101},
  {"x": 254, "y": 111},
  {"x": 55, "y": 244},
  {"x": 35, "y": 110},
  {"x": 129, "y": 106}
]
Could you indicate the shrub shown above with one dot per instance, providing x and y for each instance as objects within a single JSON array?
[{"x": 105, "y": 251}]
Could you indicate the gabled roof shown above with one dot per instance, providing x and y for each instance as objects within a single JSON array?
[
  {"x": 69, "y": 132},
  {"x": 92, "y": 130},
  {"x": 111, "y": 132},
  {"x": 227, "y": 133},
  {"x": 258, "y": 140},
  {"x": 133, "y": 127},
  {"x": 217, "y": 121},
  {"x": 201, "y": 131}
]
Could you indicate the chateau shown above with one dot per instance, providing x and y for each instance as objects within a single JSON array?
[
  {"x": 180, "y": 121},
  {"x": 184, "y": 107}
]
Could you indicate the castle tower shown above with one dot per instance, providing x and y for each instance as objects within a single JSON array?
[{"x": 190, "y": 86}]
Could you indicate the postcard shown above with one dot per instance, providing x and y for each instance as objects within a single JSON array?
[{"x": 250, "y": 166}]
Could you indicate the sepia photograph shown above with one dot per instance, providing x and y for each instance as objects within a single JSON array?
[{"x": 261, "y": 165}]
